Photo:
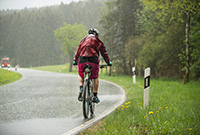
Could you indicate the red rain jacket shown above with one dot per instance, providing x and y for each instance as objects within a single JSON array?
[{"x": 90, "y": 46}]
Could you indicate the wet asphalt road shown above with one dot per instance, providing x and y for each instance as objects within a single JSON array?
[{"x": 45, "y": 103}]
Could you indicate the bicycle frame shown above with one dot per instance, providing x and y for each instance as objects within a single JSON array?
[{"x": 88, "y": 105}]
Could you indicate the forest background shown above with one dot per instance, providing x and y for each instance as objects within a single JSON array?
[{"x": 162, "y": 35}]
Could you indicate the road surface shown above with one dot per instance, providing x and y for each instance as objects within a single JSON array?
[{"x": 45, "y": 103}]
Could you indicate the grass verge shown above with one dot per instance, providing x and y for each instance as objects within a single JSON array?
[
  {"x": 57, "y": 68},
  {"x": 7, "y": 76},
  {"x": 174, "y": 109}
]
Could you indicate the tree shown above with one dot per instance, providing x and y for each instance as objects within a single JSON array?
[
  {"x": 109, "y": 30},
  {"x": 119, "y": 24},
  {"x": 132, "y": 49},
  {"x": 180, "y": 10},
  {"x": 29, "y": 33},
  {"x": 162, "y": 43},
  {"x": 195, "y": 44},
  {"x": 69, "y": 36}
]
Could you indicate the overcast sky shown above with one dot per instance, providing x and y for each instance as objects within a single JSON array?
[{"x": 21, "y": 4}]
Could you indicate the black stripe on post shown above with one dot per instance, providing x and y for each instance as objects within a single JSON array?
[{"x": 146, "y": 81}]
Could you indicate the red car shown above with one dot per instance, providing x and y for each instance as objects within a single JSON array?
[{"x": 5, "y": 62}]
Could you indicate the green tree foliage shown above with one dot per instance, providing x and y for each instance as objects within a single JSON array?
[
  {"x": 195, "y": 45},
  {"x": 161, "y": 52},
  {"x": 162, "y": 34},
  {"x": 179, "y": 10},
  {"x": 119, "y": 22},
  {"x": 70, "y": 36},
  {"x": 132, "y": 49},
  {"x": 163, "y": 42},
  {"x": 27, "y": 36},
  {"x": 154, "y": 33}
]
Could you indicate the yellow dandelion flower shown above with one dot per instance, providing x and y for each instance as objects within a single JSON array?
[
  {"x": 122, "y": 108},
  {"x": 129, "y": 102},
  {"x": 145, "y": 116},
  {"x": 160, "y": 108},
  {"x": 126, "y": 103},
  {"x": 126, "y": 106},
  {"x": 151, "y": 112},
  {"x": 157, "y": 111},
  {"x": 122, "y": 105},
  {"x": 190, "y": 129},
  {"x": 166, "y": 107}
]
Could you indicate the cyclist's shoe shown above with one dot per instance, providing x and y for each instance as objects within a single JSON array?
[
  {"x": 80, "y": 97},
  {"x": 95, "y": 99}
]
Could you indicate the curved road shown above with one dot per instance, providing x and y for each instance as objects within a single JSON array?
[{"x": 45, "y": 103}]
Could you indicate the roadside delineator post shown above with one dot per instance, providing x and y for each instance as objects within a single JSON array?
[
  {"x": 134, "y": 75},
  {"x": 146, "y": 86}
]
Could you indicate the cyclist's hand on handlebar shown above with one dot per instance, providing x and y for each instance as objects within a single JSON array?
[
  {"x": 110, "y": 64},
  {"x": 74, "y": 63}
]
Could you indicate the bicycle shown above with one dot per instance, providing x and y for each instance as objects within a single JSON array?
[{"x": 88, "y": 105}]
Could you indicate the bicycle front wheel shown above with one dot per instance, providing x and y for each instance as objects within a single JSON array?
[
  {"x": 86, "y": 99},
  {"x": 92, "y": 105}
]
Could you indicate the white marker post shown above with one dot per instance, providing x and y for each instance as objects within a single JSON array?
[
  {"x": 134, "y": 75},
  {"x": 146, "y": 86}
]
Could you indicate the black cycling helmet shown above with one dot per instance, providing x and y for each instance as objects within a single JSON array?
[{"x": 94, "y": 32}]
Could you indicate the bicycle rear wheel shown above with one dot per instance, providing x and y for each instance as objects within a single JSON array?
[{"x": 86, "y": 99}]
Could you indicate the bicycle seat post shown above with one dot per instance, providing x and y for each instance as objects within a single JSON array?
[{"x": 87, "y": 69}]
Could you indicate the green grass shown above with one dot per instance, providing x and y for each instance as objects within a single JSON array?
[
  {"x": 7, "y": 76},
  {"x": 57, "y": 68},
  {"x": 174, "y": 108}
]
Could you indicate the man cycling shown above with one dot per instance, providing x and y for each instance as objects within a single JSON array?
[{"x": 88, "y": 53}]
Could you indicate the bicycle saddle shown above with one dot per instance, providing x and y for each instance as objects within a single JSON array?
[{"x": 87, "y": 68}]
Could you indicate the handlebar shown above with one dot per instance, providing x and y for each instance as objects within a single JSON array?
[
  {"x": 103, "y": 66},
  {"x": 100, "y": 66}
]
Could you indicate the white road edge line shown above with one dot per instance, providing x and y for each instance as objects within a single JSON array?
[{"x": 102, "y": 115}]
